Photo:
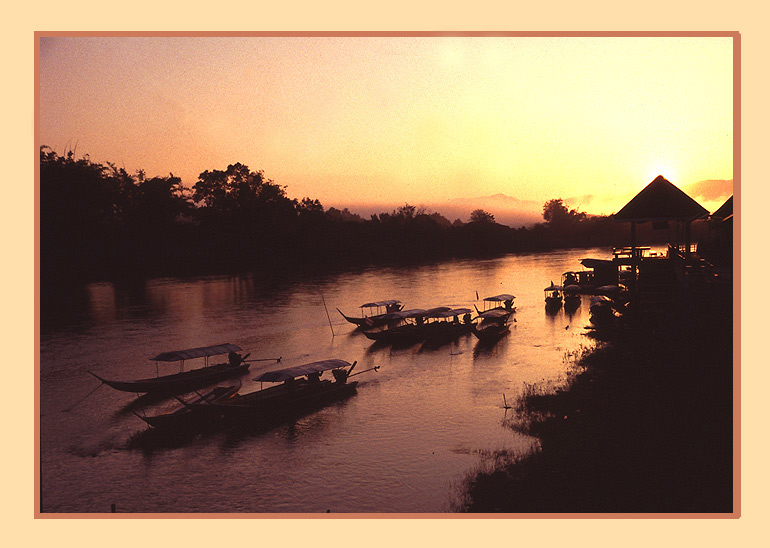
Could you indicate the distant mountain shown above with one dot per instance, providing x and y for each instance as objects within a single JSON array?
[
  {"x": 712, "y": 190},
  {"x": 515, "y": 213},
  {"x": 506, "y": 209}
]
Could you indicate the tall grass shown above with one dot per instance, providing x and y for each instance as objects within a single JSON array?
[{"x": 642, "y": 423}]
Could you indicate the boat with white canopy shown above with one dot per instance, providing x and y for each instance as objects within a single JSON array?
[
  {"x": 185, "y": 381},
  {"x": 291, "y": 390},
  {"x": 375, "y": 313}
]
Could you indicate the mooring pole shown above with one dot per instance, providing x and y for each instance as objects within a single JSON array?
[{"x": 327, "y": 314}]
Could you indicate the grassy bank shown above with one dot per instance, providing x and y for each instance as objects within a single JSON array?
[{"x": 643, "y": 425}]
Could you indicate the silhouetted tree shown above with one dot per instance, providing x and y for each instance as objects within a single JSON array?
[
  {"x": 98, "y": 221},
  {"x": 557, "y": 215},
  {"x": 481, "y": 216},
  {"x": 308, "y": 206},
  {"x": 235, "y": 189}
]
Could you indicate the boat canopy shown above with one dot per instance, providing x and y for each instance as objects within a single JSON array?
[
  {"x": 553, "y": 287},
  {"x": 500, "y": 298},
  {"x": 495, "y": 313},
  {"x": 202, "y": 352},
  {"x": 411, "y": 313},
  {"x": 608, "y": 289},
  {"x": 448, "y": 313},
  {"x": 596, "y": 263},
  {"x": 377, "y": 304},
  {"x": 600, "y": 299},
  {"x": 434, "y": 312},
  {"x": 300, "y": 370}
]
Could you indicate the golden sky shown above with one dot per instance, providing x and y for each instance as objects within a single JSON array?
[{"x": 399, "y": 119}]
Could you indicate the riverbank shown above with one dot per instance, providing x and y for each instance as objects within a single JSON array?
[{"x": 643, "y": 425}]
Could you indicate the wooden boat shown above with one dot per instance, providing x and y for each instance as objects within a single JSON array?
[
  {"x": 437, "y": 324},
  {"x": 405, "y": 327},
  {"x": 446, "y": 325},
  {"x": 375, "y": 315},
  {"x": 553, "y": 298},
  {"x": 502, "y": 302},
  {"x": 493, "y": 324},
  {"x": 181, "y": 416},
  {"x": 295, "y": 389},
  {"x": 572, "y": 298},
  {"x": 601, "y": 311},
  {"x": 583, "y": 279},
  {"x": 185, "y": 381}
]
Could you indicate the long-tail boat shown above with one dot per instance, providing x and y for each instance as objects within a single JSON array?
[
  {"x": 372, "y": 314},
  {"x": 492, "y": 325},
  {"x": 553, "y": 298},
  {"x": 437, "y": 324},
  {"x": 503, "y": 301},
  {"x": 405, "y": 327},
  {"x": 292, "y": 390},
  {"x": 185, "y": 381}
]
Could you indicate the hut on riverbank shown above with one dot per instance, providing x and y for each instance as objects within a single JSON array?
[{"x": 656, "y": 278}]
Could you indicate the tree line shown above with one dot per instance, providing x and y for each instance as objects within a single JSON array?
[{"x": 99, "y": 222}]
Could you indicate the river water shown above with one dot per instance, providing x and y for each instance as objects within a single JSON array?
[{"x": 403, "y": 443}]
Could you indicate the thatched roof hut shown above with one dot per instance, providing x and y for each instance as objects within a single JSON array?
[
  {"x": 661, "y": 201},
  {"x": 725, "y": 211}
]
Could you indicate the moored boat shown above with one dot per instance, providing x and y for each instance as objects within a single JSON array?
[
  {"x": 492, "y": 325},
  {"x": 405, "y": 327},
  {"x": 446, "y": 324},
  {"x": 601, "y": 311},
  {"x": 185, "y": 381},
  {"x": 572, "y": 298},
  {"x": 553, "y": 298},
  {"x": 293, "y": 390},
  {"x": 503, "y": 301},
  {"x": 372, "y": 314},
  {"x": 437, "y": 324}
]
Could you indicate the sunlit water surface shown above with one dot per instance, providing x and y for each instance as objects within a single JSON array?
[{"x": 403, "y": 443}]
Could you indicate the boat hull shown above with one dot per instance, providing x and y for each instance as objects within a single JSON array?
[
  {"x": 367, "y": 321},
  {"x": 491, "y": 332},
  {"x": 179, "y": 383},
  {"x": 182, "y": 418},
  {"x": 275, "y": 404}
]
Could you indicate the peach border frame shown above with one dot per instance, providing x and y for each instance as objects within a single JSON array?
[{"x": 735, "y": 35}]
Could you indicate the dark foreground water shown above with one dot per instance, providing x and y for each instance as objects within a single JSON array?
[{"x": 403, "y": 443}]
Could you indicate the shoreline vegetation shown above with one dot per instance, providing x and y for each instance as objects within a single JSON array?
[
  {"x": 100, "y": 223},
  {"x": 643, "y": 424}
]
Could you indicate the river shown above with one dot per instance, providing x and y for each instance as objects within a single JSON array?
[{"x": 402, "y": 444}]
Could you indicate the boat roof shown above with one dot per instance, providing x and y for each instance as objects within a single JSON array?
[
  {"x": 501, "y": 297},
  {"x": 495, "y": 313},
  {"x": 288, "y": 373},
  {"x": 448, "y": 313},
  {"x": 411, "y": 313},
  {"x": 375, "y": 304},
  {"x": 596, "y": 263},
  {"x": 552, "y": 287},
  {"x": 437, "y": 310},
  {"x": 200, "y": 352},
  {"x": 608, "y": 288}
]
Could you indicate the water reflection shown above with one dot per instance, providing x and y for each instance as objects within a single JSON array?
[{"x": 409, "y": 418}]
